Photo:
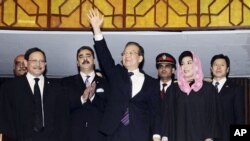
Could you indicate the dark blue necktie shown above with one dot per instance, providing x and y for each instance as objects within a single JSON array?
[
  {"x": 216, "y": 86},
  {"x": 125, "y": 119},
  {"x": 38, "y": 121}
]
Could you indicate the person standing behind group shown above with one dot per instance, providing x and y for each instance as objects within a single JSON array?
[
  {"x": 133, "y": 110},
  {"x": 19, "y": 67},
  {"x": 34, "y": 109},
  {"x": 193, "y": 107},
  {"x": 166, "y": 66},
  {"x": 87, "y": 97},
  {"x": 231, "y": 95}
]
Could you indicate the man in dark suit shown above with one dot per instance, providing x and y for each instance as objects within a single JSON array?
[
  {"x": 231, "y": 95},
  {"x": 87, "y": 97},
  {"x": 34, "y": 109},
  {"x": 133, "y": 109},
  {"x": 166, "y": 67}
]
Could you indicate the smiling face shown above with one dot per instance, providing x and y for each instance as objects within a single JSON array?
[
  {"x": 85, "y": 61},
  {"x": 187, "y": 68},
  {"x": 131, "y": 57},
  {"x": 219, "y": 69},
  {"x": 36, "y": 63}
]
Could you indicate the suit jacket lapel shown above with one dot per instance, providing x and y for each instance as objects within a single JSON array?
[{"x": 225, "y": 87}]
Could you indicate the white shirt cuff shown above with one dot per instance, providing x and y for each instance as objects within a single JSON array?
[
  {"x": 156, "y": 136},
  {"x": 164, "y": 138},
  {"x": 98, "y": 37}
]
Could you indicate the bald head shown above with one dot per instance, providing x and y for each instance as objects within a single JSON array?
[{"x": 19, "y": 67}]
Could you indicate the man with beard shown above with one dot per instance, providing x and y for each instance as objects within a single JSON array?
[
  {"x": 19, "y": 67},
  {"x": 34, "y": 108},
  {"x": 87, "y": 97}
]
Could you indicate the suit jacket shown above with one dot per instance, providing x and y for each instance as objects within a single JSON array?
[
  {"x": 86, "y": 118},
  {"x": 231, "y": 97},
  {"x": 144, "y": 108},
  {"x": 17, "y": 106}
]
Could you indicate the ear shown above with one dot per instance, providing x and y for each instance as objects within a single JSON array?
[
  {"x": 140, "y": 59},
  {"x": 173, "y": 70},
  {"x": 227, "y": 69},
  {"x": 77, "y": 63}
]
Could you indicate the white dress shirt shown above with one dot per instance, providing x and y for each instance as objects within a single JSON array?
[
  {"x": 221, "y": 83},
  {"x": 91, "y": 78}
]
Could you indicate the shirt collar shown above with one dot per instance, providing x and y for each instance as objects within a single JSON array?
[
  {"x": 221, "y": 82},
  {"x": 31, "y": 77},
  {"x": 92, "y": 74}
]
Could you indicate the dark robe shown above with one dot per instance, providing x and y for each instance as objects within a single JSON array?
[
  {"x": 192, "y": 117},
  {"x": 231, "y": 98},
  {"x": 17, "y": 112}
]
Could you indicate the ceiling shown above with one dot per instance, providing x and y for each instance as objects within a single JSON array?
[{"x": 60, "y": 48}]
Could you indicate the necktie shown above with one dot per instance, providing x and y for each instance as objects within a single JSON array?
[
  {"x": 216, "y": 86},
  {"x": 163, "y": 90},
  {"x": 87, "y": 83},
  {"x": 125, "y": 119},
  {"x": 38, "y": 122}
]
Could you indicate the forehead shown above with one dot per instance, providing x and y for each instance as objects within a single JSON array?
[
  {"x": 131, "y": 48},
  {"x": 187, "y": 58},
  {"x": 20, "y": 58},
  {"x": 85, "y": 51},
  {"x": 220, "y": 60},
  {"x": 36, "y": 54}
]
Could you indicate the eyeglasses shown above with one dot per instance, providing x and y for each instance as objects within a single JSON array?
[
  {"x": 42, "y": 62},
  {"x": 129, "y": 53}
]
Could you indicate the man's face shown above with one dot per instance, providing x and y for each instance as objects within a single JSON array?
[
  {"x": 219, "y": 68},
  {"x": 165, "y": 71},
  {"x": 131, "y": 58},
  {"x": 85, "y": 60},
  {"x": 36, "y": 64},
  {"x": 19, "y": 68}
]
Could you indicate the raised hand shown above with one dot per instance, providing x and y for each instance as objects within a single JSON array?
[{"x": 96, "y": 20}]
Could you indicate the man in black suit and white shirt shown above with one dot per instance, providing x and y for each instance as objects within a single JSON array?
[
  {"x": 34, "y": 109},
  {"x": 133, "y": 109},
  {"x": 87, "y": 97},
  {"x": 231, "y": 95}
]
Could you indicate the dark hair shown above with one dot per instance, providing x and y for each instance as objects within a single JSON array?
[
  {"x": 87, "y": 48},
  {"x": 32, "y": 50},
  {"x": 140, "y": 53},
  {"x": 221, "y": 56},
  {"x": 185, "y": 54}
]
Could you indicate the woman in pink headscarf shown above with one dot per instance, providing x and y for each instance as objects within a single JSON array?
[{"x": 192, "y": 109}]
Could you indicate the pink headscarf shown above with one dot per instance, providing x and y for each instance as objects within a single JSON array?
[{"x": 198, "y": 78}]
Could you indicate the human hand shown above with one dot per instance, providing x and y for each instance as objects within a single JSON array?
[
  {"x": 92, "y": 89},
  {"x": 95, "y": 19}
]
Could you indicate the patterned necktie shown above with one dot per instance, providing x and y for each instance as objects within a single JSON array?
[
  {"x": 38, "y": 121},
  {"x": 163, "y": 90},
  {"x": 87, "y": 83},
  {"x": 125, "y": 119},
  {"x": 216, "y": 86}
]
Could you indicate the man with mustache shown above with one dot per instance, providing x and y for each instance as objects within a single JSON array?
[
  {"x": 19, "y": 67},
  {"x": 87, "y": 97},
  {"x": 34, "y": 108}
]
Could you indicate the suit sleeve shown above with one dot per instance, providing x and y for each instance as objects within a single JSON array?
[
  {"x": 7, "y": 124},
  {"x": 155, "y": 109},
  {"x": 104, "y": 57}
]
